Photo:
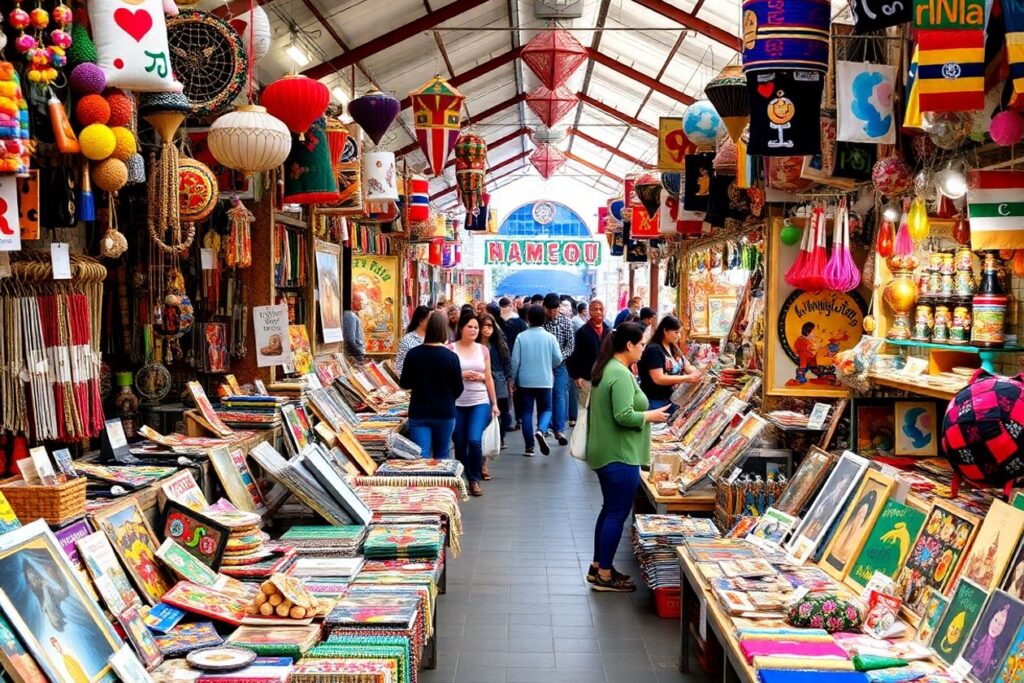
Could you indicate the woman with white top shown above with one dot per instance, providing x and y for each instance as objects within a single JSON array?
[
  {"x": 414, "y": 334},
  {"x": 477, "y": 405}
]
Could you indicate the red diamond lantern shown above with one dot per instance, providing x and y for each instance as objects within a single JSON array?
[
  {"x": 551, "y": 105},
  {"x": 547, "y": 159},
  {"x": 554, "y": 56}
]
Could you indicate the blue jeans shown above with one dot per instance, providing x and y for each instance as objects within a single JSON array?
[
  {"x": 470, "y": 423},
  {"x": 560, "y": 399},
  {"x": 619, "y": 483},
  {"x": 542, "y": 398},
  {"x": 574, "y": 401},
  {"x": 655, "y": 404},
  {"x": 433, "y": 435}
]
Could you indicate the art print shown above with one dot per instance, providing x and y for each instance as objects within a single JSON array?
[
  {"x": 771, "y": 529},
  {"x": 185, "y": 565},
  {"x": 376, "y": 282},
  {"x": 15, "y": 660},
  {"x": 934, "y": 607},
  {"x": 296, "y": 432},
  {"x": 721, "y": 312},
  {"x": 785, "y": 108},
  {"x": 218, "y": 355},
  {"x": 849, "y": 536},
  {"x": 49, "y": 608},
  {"x": 200, "y": 600},
  {"x": 876, "y": 429},
  {"x": 205, "y": 409},
  {"x": 128, "y": 667},
  {"x": 188, "y": 637},
  {"x": 198, "y": 534},
  {"x": 994, "y": 545},
  {"x": 238, "y": 482},
  {"x": 270, "y": 325},
  {"x": 993, "y": 636},
  {"x": 328, "y": 260},
  {"x": 135, "y": 544},
  {"x": 1013, "y": 581},
  {"x": 805, "y": 482},
  {"x": 830, "y": 501},
  {"x": 888, "y": 544},
  {"x": 864, "y": 102},
  {"x": 182, "y": 488},
  {"x": 110, "y": 580},
  {"x": 915, "y": 428},
  {"x": 956, "y": 624},
  {"x": 936, "y": 556},
  {"x": 140, "y": 637}
]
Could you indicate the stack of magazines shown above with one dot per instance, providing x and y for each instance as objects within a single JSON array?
[{"x": 655, "y": 538}]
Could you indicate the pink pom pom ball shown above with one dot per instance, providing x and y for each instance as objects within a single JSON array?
[
  {"x": 18, "y": 19},
  {"x": 60, "y": 38},
  {"x": 1007, "y": 128},
  {"x": 62, "y": 15},
  {"x": 87, "y": 79},
  {"x": 24, "y": 43}
]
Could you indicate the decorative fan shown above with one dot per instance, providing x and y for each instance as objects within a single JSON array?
[
  {"x": 209, "y": 58},
  {"x": 153, "y": 382}
]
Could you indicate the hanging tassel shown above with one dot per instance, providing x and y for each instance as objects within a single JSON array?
[
  {"x": 904, "y": 242},
  {"x": 86, "y": 201}
]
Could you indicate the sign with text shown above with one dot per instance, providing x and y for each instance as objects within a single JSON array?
[
  {"x": 272, "y": 341},
  {"x": 542, "y": 252}
]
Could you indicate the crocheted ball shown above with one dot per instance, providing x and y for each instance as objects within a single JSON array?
[
  {"x": 92, "y": 109},
  {"x": 87, "y": 78},
  {"x": 97, "y": 142},
  {"x": 120, "y": 107},
  {"x": 1007, "y": 128},
  {"x": 125, "y": 145},
  {"x": 110, "y": 175},
  {"x": 82, "y": 48}
]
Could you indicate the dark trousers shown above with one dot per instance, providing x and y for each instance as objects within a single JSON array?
[
  {"x": 470, "y": 422},
  {"x": 517, "y": 404},
  {"x": 542, "y": 399},
  {"x": 505, "y": 419},
  {"x": 432, "y": 435},
  {"x": 619, "y": 483}
]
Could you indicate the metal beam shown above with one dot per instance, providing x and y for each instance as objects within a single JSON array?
[
  {"x": 512, "y": 7},
  {"x": 615, "y": 113},
  {"x": 593, "y": 167},
  {"x": 501, "y": 106},
  {"x": 477, "y": 71},
  {"x": 641, "y": 78},
  {"x": 595, "y": 44},
  {"x": 688, "y": 20},
  {"x": 392, "y": 38},
  {"x": 608, "y": 148}
]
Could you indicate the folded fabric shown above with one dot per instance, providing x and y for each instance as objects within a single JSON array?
[
  {"x": 803, "y": 664},
  {"x": 789, "y": 633},
  {"x": 789, "y": 676},
  {"x": 804, "y": 650},
  {"x": 872, "y": 662},
  {"x": 895, "y": 675},
  {"x": 794, "y": 636}
]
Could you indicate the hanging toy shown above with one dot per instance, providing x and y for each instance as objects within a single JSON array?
[
  {"x": 794, "y": 275},
  {"x": 814, "y": 278},
  {"x": 790, "y": 234},
  {"x": 904, "y": 241},
  {"x": 886, "y": 238},
  {"x": 14, "y": 155},
  {"x": 239, "y": 249}
]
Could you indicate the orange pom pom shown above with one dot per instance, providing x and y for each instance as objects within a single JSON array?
[
  {"x": 120, "y": 108},
  {"x": 92, "y": 109},
  {"x": 126, "y": 145}
]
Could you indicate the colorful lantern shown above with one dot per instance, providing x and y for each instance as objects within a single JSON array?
[
  {"x": 309, "y": 176},
  {"x": 419, "y": 199},
  {"x": 380, "y": 181},
  {"x": 436, "y": 254},
  {"x": 470, "y": 163},
  {"x": 547, "y": 159},
  {"x": 249, "y": 140},
  {"x": 374, "y": 112},
  {"x": 197, "y": 190},
  {"x": 437, "y": 108},
  {"x": 554, "y": 56},
  {"x": 337, "y": 138},
  {"x": 727, "y": 92},
  {"x": 648, "y": 190},
  {"x": 551, "y": 106},
  {"x": 258, "y": 36},
  {"x": 789, "y": 35},
  {"x": 297, "y": 100},
  {"x": 702, "y": 124}
]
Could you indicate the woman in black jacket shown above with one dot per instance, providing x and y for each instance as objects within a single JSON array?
[{"x": 433, "y": 374}]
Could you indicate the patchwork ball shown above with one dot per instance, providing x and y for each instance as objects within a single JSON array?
[{"x": 983, "y": 427}]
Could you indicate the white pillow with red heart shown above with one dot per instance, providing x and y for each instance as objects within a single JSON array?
[{"x": 131, "y": 43}]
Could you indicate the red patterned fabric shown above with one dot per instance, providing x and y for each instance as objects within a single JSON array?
[
  {"x": 554, "y": 56},
  {"x": 551, "y": 106},
  {"x": 983, "y": 429}
]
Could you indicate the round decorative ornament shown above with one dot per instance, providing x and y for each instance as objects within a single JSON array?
[
  {"x": 892, "y": 176},
  {"x": 113, "y": 244},
  {"x": 92, "y": 109},
  {"x": 153, "y": 382},
  {"x": 249, "y": 140},
  {"x": 790, "y": 234},
  {"x": 110, "y": 175},
  {"x": 87, "y": 79},
  {"x": 208, "y": 57},
  {"x": 543, "y": 213},
  {"x": 948, "y": 130},
  {"x": 923, "y": 147},
  {"x": 121, "y": 109},
  {"x": 197, "y": 190},
  {"x": 702, "y": 124},
  {"x": 126, "y": 145},
  {"x": 97, "y": 142},
  {"x": 220, "y": 658},
  {"x": 1007, "y": 128}
]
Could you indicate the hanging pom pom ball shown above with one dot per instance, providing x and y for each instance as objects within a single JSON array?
[
  {"x": 125, "y": 146},
  {"x": 62, "y": 15},
  {"x": 18, "y": 19},
  {"x": 97, "y": 142},
  {"x": 1007, "y": 128},
  {"x": 110, "y": 175},
  {"x": 120, "y": 107},
  {"x": 92, "y": 109},
  {"x": 25, "y": 42},
  {"x": 40, "y": 18},
  {"x": 790, "y": 234},
  {"x": 61, "y": 39}
]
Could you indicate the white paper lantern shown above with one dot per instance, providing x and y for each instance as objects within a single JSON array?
[
  {"x": 380, "y": 177},
  {"x": 249, "y": 140},
  {"x": 262, "y": 34}
]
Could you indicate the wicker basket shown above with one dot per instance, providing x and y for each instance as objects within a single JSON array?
[{"x": 55, "y": 504}]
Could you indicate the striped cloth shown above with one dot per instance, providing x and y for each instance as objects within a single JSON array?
[
  {"x": 951, "y": 70},
  {"x": 995, "y": 205}
]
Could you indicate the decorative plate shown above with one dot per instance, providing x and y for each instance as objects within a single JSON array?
[
  {"x": 220, "y": 658},
  {"x": 208, "y": 57}
]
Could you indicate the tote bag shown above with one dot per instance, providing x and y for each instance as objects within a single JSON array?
[{"x": 578, "y": 439}]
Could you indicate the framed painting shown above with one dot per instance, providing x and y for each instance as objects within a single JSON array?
[
  {"x": 935, "y": 604},
  {"x": 50, "y": 610},
  {"x": 110, "y": 580},
  {"x": 936, "y": 556},
  {"x": 916, "y": 429},
  {"x": 140, "y": 637},
  {"x": 805, "y": 482},
  {"x": 200, "y": 535},
  {"x": 236, "y": 478},
  {"x": 699, "y": 316},
  {"x": 956, "y": 624},
  {"x": 875, "y": 426},
  {"x": 887, "y": 545},
  {"x": 328, "y": 279},
  {"x": 811, "y": 328},
  {"x": 1013, "y": 580},
  {"x": 993, "y": 635},
  {"x": 721, "y": 312},
  {"x": 860, "y": 516},
  {"x": 15, "y": 660},
  {"x": 994, "y": 545},
  {"x": 838, "y": 488},
  {"x": 376, "y": 281},
  {"x": 135, "y": 545}
]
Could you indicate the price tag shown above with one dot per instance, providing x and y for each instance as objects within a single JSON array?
[
  {"x": 5, "y": 264},
  {"x": 818, "y": 416},
  {"x": 206, "y": 259},
  {"x": 702, "y": 621},
  {"x": 261, "y": 388},
  {"x": 798, "y": 595},
  {"x": 60, "y": 258},
  {"x": 961, "y": 667},
  {"x": 736, "y": 472},
  {"x": 880, "y": 583}
]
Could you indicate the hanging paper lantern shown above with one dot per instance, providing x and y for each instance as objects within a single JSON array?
[
  {"x": 374, "y": 112},
  {"x": 249, "y": 140},
  {"x": 672, "y": 181},
  {"x": 337, "y": 138},
  {"x": 197, "y": 190},
  {"x": 419, "y": 199},
  {"x": 437, "y": 108},
  {"x": 470, "y": 163},
  {"x": 786, "y": 35},
  {"x": 702, "y": 124},
  {"x": 380, "y": 181},
  {"x": 727, "y": 92},
  {"x": 297, "y": 100},
  {"x": 554, "y": 56},
  {"x": 262, "y": 35},
  {"x": 892, "y": 177},
  {"x": 547, "y": 159},
  {"x": 308, "y": 174},
  {"x": 648, "y": 189},
  {"x": 551, "y": 106}
]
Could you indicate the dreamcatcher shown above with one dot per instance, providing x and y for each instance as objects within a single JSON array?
[{"x": 209, "y": 58}]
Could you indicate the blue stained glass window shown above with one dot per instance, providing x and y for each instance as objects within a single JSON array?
[{"x": 564, "y": 222}]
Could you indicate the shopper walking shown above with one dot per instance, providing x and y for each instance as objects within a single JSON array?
[
  {"x": 501, "y": 372},
  {"x": 434, "y": 377},
  {"x": 586, "y": 349},
  {"x": 558, "y": 325},
  {"x": 628, "y": 313},
  {"x": 618, "y": 443},
  {"x": 534, "y": 358},
  {"x": 477, "y": 404},
  {"x": 514, "y": 326},
  {"x": 414, "y": 335},
  {"x": 662, "y": 367}
]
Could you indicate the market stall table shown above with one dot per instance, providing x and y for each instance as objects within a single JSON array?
[{"x": 698, "y": 501}]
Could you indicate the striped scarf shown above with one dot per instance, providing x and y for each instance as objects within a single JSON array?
[{"x": 950, "y": 70}]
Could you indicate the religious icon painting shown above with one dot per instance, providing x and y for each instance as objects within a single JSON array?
[
  {"x": 140, "y": 637},
  {"x": 135, "y": 544},
  {"x": 200, "y": 535},
  {"x": 838, "y": 488},
  {"x": 956, "y": 624},
  {"x": 785, "y": 109},
  {"x": 994, "y": 545},
  {"x": 848, "y": 539},
  {"x": 993, "y": 635}
]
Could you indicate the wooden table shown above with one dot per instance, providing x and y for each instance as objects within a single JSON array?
[{"x": 699, "y": 502}]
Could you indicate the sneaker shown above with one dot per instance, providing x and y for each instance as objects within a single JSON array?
[
  {"x": 572, "y": 423},
  {"x": 592, "y": 575},
  {"x": 517, "y": 426},
  {"x": 614, "y": 585},
  {"x": 542, "y": 443},
  {"x": 503, "y": 445},
  {"x": 548, "y": 433},
  {"x": 529, "y": 453},
  {"x": 561, "y": 439}
]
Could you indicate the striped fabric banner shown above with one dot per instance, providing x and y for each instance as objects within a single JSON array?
[
  {"x": 995, "y": 206},
  {"x": 951, "y": 70},
  {"x": 912, "y": 119}
]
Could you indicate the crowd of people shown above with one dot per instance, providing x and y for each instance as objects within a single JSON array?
[{"x": 534, "y": 364}]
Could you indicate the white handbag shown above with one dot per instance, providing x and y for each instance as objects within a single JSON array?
[{"x": 578, "y": 438}]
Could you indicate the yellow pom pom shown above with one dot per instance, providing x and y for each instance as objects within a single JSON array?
[
  {"x": 126, "y": 145},
  {"x": 97, "y": 142}
]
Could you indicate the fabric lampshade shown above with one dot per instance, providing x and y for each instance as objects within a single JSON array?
[
  {"x": 309, "y": 174},
  {"x": 551, "y": 106},
  {"x": 380, "y": 181},
  {"x": 554, "y": 56},
  {"x": 547, "y": 159},
  {"x": 727, "y": 92},
  {"x": 296, "y": 100},
  {"x": 437, "y": 114},
  {"x": 374, "y": 112},
  {"x": 470, "y": 163}
]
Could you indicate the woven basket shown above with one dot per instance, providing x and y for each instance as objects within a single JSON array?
[{"x": 55, "y": 504}]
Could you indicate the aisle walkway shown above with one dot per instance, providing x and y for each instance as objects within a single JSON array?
[{"x": 518, "y": 608}]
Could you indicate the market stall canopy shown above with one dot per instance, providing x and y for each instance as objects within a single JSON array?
[{"x": 542, "y": 281}]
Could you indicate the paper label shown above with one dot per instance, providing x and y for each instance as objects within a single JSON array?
[
  {"x": 961, "y": 667},
  {"x": 798, "y": 595},
  {"x": 261, "y": 388},
  {"x": 5, "y": 264},
  {"x": 10, "y": 227},
  {"x": 818, "y": 416},
  {"x": 736, "y": 472},
  {"x": 115, "y": 433},
  {"x": 61, "y": 259},
  {"x": 206, "y": 259}
]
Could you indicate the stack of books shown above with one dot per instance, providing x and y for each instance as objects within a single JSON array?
[{"x": 655, "y": 538}]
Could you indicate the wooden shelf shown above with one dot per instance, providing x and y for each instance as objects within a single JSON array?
[
  {"x": 915, "y": 388},
  {"x": 966, "y": 348}
]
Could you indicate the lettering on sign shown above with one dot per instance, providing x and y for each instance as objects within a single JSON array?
[{"x": 542, "y": 252}]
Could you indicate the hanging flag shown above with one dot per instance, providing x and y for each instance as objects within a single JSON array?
[
  {"x": 673, "y": 145},
  {"x": 1013, "y": 14},
  {"x": 951, "y": 70},
  {"x": 995, "y": 206},
  {"x": 912, "y": 97}
]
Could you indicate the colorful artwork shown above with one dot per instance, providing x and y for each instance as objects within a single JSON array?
[
  {"x": 876, "y": 430},
  {"x": 15, "y": 659},
  {"x": 128, "y": 667},
  {"x": 297, "y": 433},
  {"x": 936, "y": 556},
  {"x": 237, "y": 480},
  {"x": 110, "y": 580},
  {"x": 956, "y": 624},
  {"x": 187, "y": 637},
  {"x": 328, "y": 266},
  {"x": 374, "y": 608},
  {"x": 915, "y": 428},
  {"x": 993, "y": 636},
  {"x": 826, "y": 507},
  {"x": 994, "y": 545},
  {"x": 864, "y": 102},
  {"x": 196, "y": 533},
  {"x": 849, "y": 536},
  {"x": 888, "y": 545},
  {"x": 68, "y": 538},
  {"x": 375, "y": 279},
  {"x": 8, "y": 519},
  {"x": 135, "y": 544},
  {"x": 182, "y": 488},
  {"x": 48, "y": 607},
  {"x": 218, "y": 356},
  {"x": 140, "y": 636},
  {"x": 813, "y": 328},
  {"x": 771, "y": 529},
  {"x": 1013, "y": 581},
  {"x": 205, "y": 409},
  {"x": 302, "y": 355},
  {"x": 185, "y": 565},
  {"x": 805, "y": 482},
  {"x": 162, "y": 618},
  {"x": 721, "y": 312},
  {"x": 935, "y": 604},
  {"x": 207, "y": 602}
]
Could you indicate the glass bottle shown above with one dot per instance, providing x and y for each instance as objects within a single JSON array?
[
  {"x": 989, "y": 307},
  {"x": 127, "y": 404}
]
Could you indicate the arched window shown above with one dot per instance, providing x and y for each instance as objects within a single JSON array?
[{"x": 544, "y": 218}]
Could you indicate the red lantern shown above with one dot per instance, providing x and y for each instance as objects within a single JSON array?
[
  {"x": 554, "y": 56},
  {"x": 297, "y": 100},
  {"x": 436, "y": 109},
  {"x": 337, "y": 137},
  {"x": 547, "y": 159},
  {"x": 551, "y": 106},
  {"x": 436, "y": 254}
]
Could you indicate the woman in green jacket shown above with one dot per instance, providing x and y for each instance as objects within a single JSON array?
[{"x": 618, "y": 443}]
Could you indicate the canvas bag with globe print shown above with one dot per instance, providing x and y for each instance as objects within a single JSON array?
[{"x": 864, "y": 94}]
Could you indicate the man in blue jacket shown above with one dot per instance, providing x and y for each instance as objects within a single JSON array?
[{"x": 534, "y": 358}]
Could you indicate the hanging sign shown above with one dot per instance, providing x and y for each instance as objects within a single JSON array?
[
  {"x": 10, "y": 231},
  {"x": 871, "y": 15},
  {"x": 949, "y": 14},
  {"x": 542, "y": 252},
  {"x": 271, "y": 326},
  {"x": 673, "y": 145}
]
